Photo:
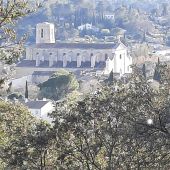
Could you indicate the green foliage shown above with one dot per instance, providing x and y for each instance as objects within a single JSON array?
[
  {"x": 15, "y": 121},
  {"x": 109, "y": 129},
  {"x": 144, "y": 70},
  {"x": 15, "y": 96},
  {"x": 110, "y": 80},
  {"x": 10, "y": 12},
  {"x": 58, "y": 85},
  {"x": 157, "y": 75},
  {"x": 26, "y": 90}
]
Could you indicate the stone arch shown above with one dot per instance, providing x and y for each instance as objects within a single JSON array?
[
  {"x": 69, "y": 54},
  {"x": 98, "y": 57},
  {"x": 86, "y": 56},
  {"x": 74, "y": 57},
  {"x": 60, "y": 55},
  {"x": 71, "y": 59},
  {"x": 85, "y": 59}
]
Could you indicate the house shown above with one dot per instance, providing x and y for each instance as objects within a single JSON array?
[
  {"x": 109, "y": 16},
  {"x": 40, "y": 108},
  {"x": 85, "y": 26}
]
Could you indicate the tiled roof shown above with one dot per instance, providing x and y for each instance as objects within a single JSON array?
[
  {"x": 36, "y": 104},
  {"x": 43, "y": 73},
  {"x": 77, "y": 45}
]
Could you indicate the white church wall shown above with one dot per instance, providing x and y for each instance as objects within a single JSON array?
[
  {"x": 120, "y": 57},
  {"x": 119, "y": 60}
]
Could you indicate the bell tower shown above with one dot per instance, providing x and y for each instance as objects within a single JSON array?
[{"x": 45, "y": 33}]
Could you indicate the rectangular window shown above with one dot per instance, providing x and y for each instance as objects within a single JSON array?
[{"x": 42, "y": 33}]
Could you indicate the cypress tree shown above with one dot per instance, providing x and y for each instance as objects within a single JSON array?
[
  {"x": 26, "y": 90},
  {"x": 158, "y": 61},
  {"x": 144, "y": 37},
  {"x": 157, "y": 75},
  {"x": 110, "y": 78},
  {"x": 144, "y": 70}
]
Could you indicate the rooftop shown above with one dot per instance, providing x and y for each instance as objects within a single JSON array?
[
  {"x": 78, "y": 45},
  {"x": 43, "y": 73},
  {"x": 36, "y": 104}
]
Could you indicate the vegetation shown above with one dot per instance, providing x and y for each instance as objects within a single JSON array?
[
  {"x": 58, "y": 85},
  {"x": 110, "y": 130},
  {"x": 26, "y": 90},
  {"x": 126, "y": 127},
  {"x": 15, "y": 122},
  {"x": 10, "y": 13},
  {"x": 134, "y": 17},
  {"x": 15, "y": 96}
]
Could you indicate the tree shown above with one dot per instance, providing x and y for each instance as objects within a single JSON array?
[
  {"x": 26, "y": 90},
  {"x": 144, "y": 70},
  {"x": 111, "y": 129},
  {"x": 126, "y": 127},
  {"x": 14, "y": 96},
  {"x": 110, "y": 79},
  {"x": 58, "y": 85},
  {"x": 157, "y": 75},
  {"x": 11, "y": 12},
  {"x": 11, "y": 46},
  {"x": 15, "y": 123}
]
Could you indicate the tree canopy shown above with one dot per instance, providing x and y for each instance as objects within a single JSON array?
[
  {"x": 58, "y": 85},
  {"x": 126, "y": 126}
]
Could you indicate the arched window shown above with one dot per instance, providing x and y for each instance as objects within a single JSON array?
[
  {"x": 42, "y": 33},
  {"x": 120, "y": 56}
]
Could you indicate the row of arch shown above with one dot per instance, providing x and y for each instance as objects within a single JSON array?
[
  {"x": 70, "y": 56},
  {"x": 79, "y": 59}
]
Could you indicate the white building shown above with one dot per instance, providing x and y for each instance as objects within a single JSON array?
[
  {"x": 40, "y": 108},
  {"x": 109, "y": 16},
  {"x": 109, "y": 56},
  {"x": 85, "y": 26}
]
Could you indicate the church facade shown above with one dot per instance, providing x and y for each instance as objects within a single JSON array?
[{"x": 108, "y": 56}]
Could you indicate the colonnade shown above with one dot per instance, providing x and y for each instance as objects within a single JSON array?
[{"x": 66, "y": 59}]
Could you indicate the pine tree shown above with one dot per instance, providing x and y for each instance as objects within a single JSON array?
[{"x": 26, "y": 90}]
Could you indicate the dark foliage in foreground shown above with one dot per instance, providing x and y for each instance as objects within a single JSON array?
[{"x": 126, "y": 126}]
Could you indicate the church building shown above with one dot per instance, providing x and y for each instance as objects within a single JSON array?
[{"x": 46, "y": 51}]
